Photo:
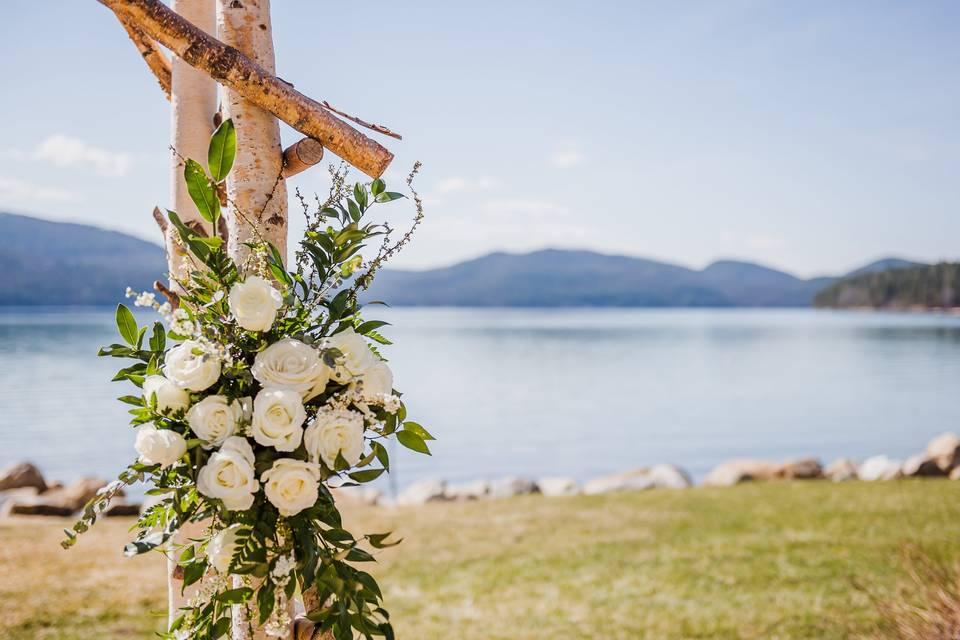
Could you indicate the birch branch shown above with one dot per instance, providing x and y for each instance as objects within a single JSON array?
[
  {"x": 232, "y": 69},
  {"x": 300, "y": 156},
  {"x": 156, "y": 60}
]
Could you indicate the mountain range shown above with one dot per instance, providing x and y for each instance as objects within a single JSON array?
[
  {"x": 583, "y": 278},
  {"x": 55, "y": 263}
]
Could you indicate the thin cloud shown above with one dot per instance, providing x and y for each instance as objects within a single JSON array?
[
  {"x": 17, "y": 191},
  {"x": 65, "y": 151},
  {"x": 566, "y": 159},
  {"x": 533, "y": 208},
  {"x": 458, "y": 185}
]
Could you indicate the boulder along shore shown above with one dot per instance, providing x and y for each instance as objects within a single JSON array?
[{"x": 25, "y": 491}]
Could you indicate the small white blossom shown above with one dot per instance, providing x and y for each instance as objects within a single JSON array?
[
  {"x": 282, "y": 569},
  {"x": 181, "y": 323},
  {"x": 145, "y": 299},
  {"x": 278, "y": 625},
  {"x": 165, "y": 309},
  {"x": 130, "y": 292}
]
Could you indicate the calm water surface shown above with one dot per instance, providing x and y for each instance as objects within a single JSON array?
[{"x": 555, "y": 392}]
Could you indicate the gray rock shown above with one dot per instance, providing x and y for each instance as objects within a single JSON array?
[
  {"x": 78, "y": 493},
  {"x": 423, "y": 492},
  {"x": 553, "y": 486},
  {"x": 636, "y": 480},
  {"x": 921, "y": 465},
  {"x": 62, "y": 501},
  {"x": 20, "y": 475},
  {"x": 945, "y": 451},
  {"x": 841, "y": 470},
  {"x": 736, "y": 471},
  {"x": 469, "y": 491},
  {"x": 7, "y": 498},
  {"x": 879, "y": 468},
  {"x": 801, "y": 469},
  {"x": 512, "y": 486},
  {"x": 669, "y": 476},
  {"x": 37, "y": 506}
]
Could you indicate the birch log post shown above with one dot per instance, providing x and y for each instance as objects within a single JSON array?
[
  {"x": 231, "y": 68},
  {"x": 256, "y": 190},
  {"x": 193, "y": 103}
]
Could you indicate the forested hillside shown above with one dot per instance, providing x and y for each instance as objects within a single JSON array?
[
  {"x": 929, "y": 286},
  {"x": 56, "y": 263}
]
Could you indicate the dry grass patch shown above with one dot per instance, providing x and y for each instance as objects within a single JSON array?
[{"x": 762, "y": 561}]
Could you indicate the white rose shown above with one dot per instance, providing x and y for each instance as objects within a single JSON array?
[
  {"x": 170, "y": 397},
  {"x": 290, "y": 364},
  {"x": 377, "y": 382},
  {"x": 229, "y": 475},
  {"x": 189, "y": 367},
  {"x": 221, "y": 548},
  {"x": 214, "y": 419},
  {"x": 291, "y": 485},
  {"x": 159, "y": 446},
  {"x": 356, "y": 358},
  {"x": 278, "y": 417},
  {"x": 254, "y": 303},
  {"x": 335, "y": 431}
]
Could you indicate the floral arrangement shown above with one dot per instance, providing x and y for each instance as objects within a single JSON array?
[{"x": 273, "y": 393}]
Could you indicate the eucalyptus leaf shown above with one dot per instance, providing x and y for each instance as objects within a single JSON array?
[
  {"x": 202, "y": 192},
  {"x": 222, "y": 151},
  {"x": 412, "y": 441},
  {"x": 127, "y": 325}
]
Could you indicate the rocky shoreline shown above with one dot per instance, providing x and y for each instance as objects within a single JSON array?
[{"x": 24, "y": 490}]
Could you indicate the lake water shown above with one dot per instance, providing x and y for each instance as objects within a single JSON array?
[{"x": 555, "y": 392}]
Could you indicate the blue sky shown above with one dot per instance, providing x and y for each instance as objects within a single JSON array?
[{"x": 810, "y": 136}]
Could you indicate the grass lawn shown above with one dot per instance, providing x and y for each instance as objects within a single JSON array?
[{"x": 753, "y": 561}]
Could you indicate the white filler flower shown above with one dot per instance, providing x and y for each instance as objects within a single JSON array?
[
  {"x": 356, "y": 358},
  {"x": 290, "y": 364},
  {"x": 191, "y": 367},
  {"x": 214, "y": 419},
  {"x": 254, "y": 303},
  {"x": 159, "y": 446},
  {"x": 335, "y": 431},
  {"x": 229, "y": 475},
  {"x": 291, "y": 485},
  {"x": 278, "y": 417},
  {"x": 221, "y": 548},
  {"x": 170, "y": 397}
]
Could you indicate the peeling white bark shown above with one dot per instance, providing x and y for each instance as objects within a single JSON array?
[
  {"x": 193, "y": 105},
  {"x": 256, "y": 189}
]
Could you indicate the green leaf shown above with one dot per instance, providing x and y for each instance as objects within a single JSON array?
[
  {"x": 382, "y": 455},
  {"x": 377, "y": 187},
  {"x": 360, "y": 194},
  {"x": 222, "y": 151},
  {"x": 366, "y": 475},
  {"x": 370, "y": 325},
  {"x": 412, "y": 441},
  {"x": 389, "y": 196},
  {"x": 377, "y": 540},
  {"x": 355, "y": 213},
  {"x": 127, "y": 325},
  {"x": 201, "y": 191},
  {"x": 234, "y": 596},
  {"x": 159, "y": 338},
  {"x": 418, "y": 429}
]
